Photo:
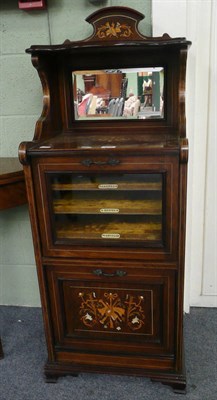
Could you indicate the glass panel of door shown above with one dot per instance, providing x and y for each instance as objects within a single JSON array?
[{"x": 115, "y": 208}]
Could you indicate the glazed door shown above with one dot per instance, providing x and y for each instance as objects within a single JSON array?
[
  {"x": 108, "y": 208},
  {"x": 114, "y": 208}
]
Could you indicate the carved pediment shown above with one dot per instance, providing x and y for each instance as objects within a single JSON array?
[{"x": 115, "y": 23}]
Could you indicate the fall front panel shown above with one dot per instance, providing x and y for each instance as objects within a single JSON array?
[
  {"x": 104, "y": 309},
  {"x": 111, "y": 210}
]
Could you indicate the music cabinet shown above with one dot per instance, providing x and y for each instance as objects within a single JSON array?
[{"x": 106, "y": 182}]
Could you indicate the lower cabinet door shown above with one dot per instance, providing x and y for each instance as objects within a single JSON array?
[{"x": 123, "y": 309}]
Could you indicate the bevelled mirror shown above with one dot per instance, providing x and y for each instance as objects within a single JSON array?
[{"x": 131, "y": 93}]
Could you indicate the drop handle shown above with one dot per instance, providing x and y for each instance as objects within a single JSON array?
[
  {"x": 89, "y": 162},
  {"x": 100, "y": 272}
]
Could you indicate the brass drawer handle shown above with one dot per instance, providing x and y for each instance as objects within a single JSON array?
[
  {"x": 111, "y": 162},
  {"x": 118, "y": 273}
]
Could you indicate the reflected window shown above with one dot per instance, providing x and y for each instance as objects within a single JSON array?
[{"x": 113, "y": 94}]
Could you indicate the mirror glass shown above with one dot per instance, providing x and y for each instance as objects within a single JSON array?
[{"x": 131, "y": 93}]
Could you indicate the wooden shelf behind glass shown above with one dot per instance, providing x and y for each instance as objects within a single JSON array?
[
  {"x": 115, "y": 229},
  {"x": 107, "y": 206},
  {"x": 112, "y": 185}
]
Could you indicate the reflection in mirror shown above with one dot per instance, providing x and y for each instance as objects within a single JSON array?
[{"x": 132, "y": 93}]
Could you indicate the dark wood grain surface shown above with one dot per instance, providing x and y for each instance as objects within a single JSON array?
[
  {"x": 110, "y": 305},
  {"x": 12, "y": 183}
]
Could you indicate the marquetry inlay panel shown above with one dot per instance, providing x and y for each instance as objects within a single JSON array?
[
  {"x": 106, "y": 309},
  {"x": 112, "y": 312}
]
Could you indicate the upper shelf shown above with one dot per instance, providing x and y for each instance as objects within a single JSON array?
[
  {"x": 114, "y": 26},
  {"x": 115, "y": 90},
  {"x": 117, "y": 142}
]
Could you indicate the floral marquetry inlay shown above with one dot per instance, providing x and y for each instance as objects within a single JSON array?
[
  {"x": 112, "y": 312},
  {"x": 113, "y": 29}
]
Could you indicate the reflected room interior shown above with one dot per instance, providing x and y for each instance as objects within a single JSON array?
[{"x": 131, "y": 93}]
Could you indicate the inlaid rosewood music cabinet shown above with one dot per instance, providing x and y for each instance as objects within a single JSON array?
[{"x": 106, "y": 182}]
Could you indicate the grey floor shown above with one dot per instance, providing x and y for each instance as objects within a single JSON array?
[{"x": 21, "y": 370}]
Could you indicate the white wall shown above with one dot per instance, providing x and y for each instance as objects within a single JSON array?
[{"x": 196, "y": 20}]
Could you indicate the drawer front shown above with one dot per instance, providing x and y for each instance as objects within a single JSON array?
[
  {"x": 123, "y": 308},
  {"x": 97, "y": 206}
]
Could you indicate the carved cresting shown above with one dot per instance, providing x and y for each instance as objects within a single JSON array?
[
  {"x": 111, "y": 311},
  {"x": 115, "y": 23}
]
